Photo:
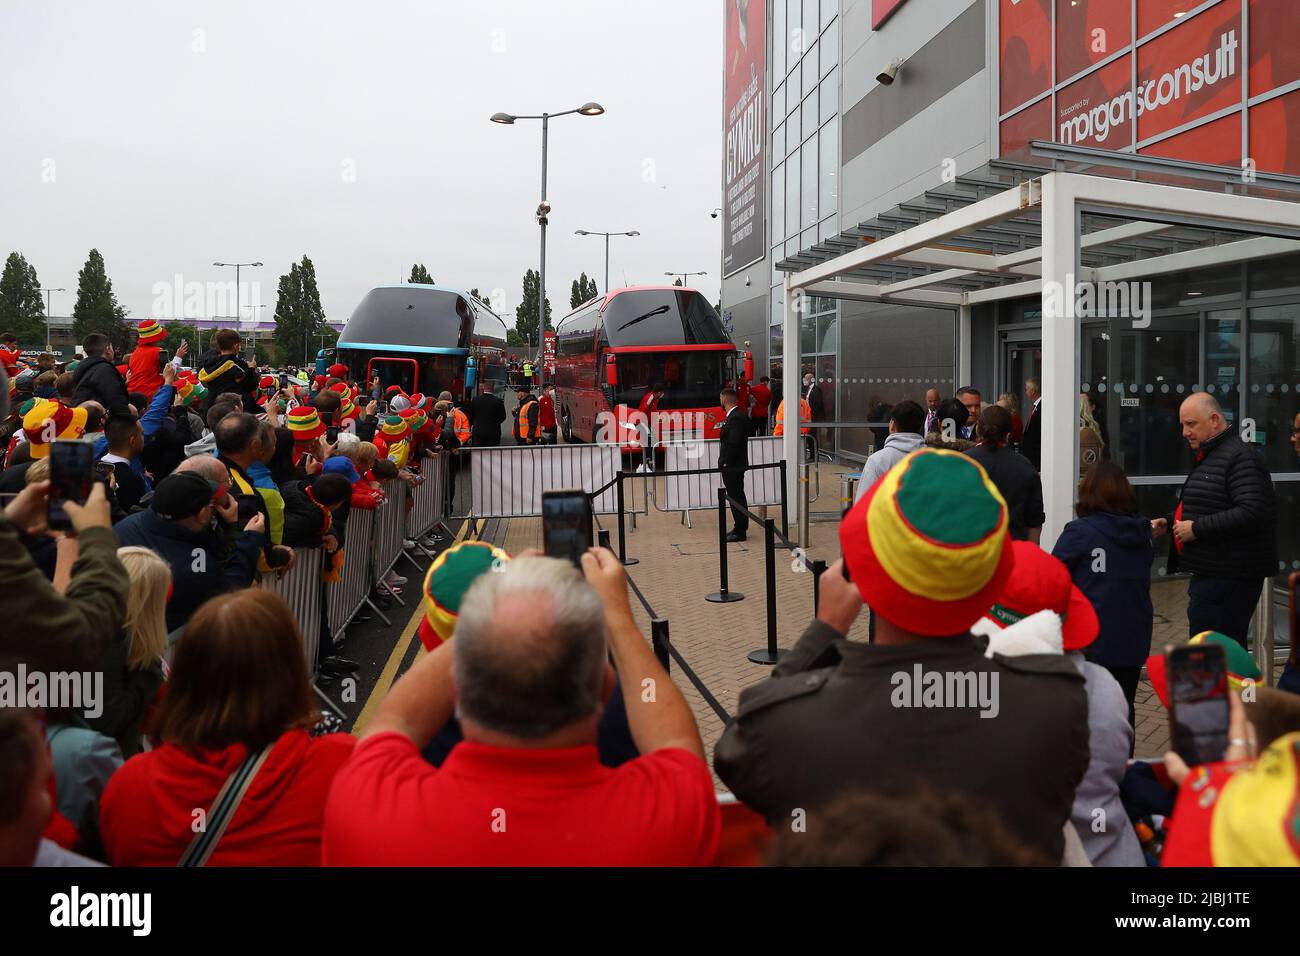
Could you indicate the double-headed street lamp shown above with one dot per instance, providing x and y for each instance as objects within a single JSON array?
[
  {"x": 238, "y": 288},
  {"x": 544, "y": 207},
  {"x": 685, "y": 275},
  {"x": 48, "y": 314},
  {"x": 588, "y": 232}
]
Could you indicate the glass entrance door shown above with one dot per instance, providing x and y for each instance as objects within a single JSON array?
[{"x": 1022, "y": 359}]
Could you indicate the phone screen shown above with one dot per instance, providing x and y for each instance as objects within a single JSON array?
[
  {"x": 71, "y": 471},
  {"x": 566, "y": 525},
  {"x": 1198, "y": 702},
  {"x": 284, "y": 379}
]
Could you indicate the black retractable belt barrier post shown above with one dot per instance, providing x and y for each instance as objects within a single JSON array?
[
  {"x": 622, "y": 526},
  {"x": 818, "y": 569},
  {"x": 659, "y": 640},
  {"x": 769, "y": 655},
  {"x": 723, "y": 596}
]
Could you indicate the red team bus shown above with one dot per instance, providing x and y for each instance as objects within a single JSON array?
[{"x": 612, "y": 349}]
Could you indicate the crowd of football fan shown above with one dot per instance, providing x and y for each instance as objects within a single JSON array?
[{"x": 539, "y": 728}]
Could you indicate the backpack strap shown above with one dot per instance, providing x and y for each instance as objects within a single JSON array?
[{"x": 223, "y": 809}]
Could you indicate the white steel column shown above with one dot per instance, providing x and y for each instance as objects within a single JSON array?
[
  {"x": 791, "y": 387},
  {"x": 963, "y": 346},
  {"x": 1060, "y": 375}
]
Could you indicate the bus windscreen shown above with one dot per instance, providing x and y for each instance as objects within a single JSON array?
[
  {"x": 662, "y": 317},
  {"x": 692, "y": 379}
]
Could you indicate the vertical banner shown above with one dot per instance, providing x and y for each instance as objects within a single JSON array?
[
  {"x": 743, "y": 194},
  {"x": 548, "y": 352}
]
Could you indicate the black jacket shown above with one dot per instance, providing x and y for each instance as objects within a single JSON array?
[
  {"x": 826, "y": 723},
  {"x": 228, "y": 373},
  {"x": 221, "y": 569},
  {"x": 486, "y": 414},
  {"x": 1229, "y": 497},
  {"x": 97, "y": 378},
  {"x": 1119, "y": 589},
  {"x": 304, "y": 521},
  {"x": 733, "y": 452},
  {"x": 1018, "y": 482}
]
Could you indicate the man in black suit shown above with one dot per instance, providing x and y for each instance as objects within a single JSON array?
[
  {"x": 486, "y": 413},
  {"x": 733, "y": 459},
  {"x": 1031, "y": 439}
]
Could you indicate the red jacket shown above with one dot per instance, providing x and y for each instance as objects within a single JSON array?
[
  {"x": 547, "y": 419},
  {"x": 762, "y": 399},
  {"x": 144, "y": 372},
  {"x": 147, "y": 810}
]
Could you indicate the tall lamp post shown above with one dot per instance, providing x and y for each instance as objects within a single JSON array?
[
  {"x": 49, "y": 295},
  {"x": 544, "y": 207},
  {"x": 587, "y": 232},
  {"x": 238, "y": 288},
  {"x": 685, "y": 275}
]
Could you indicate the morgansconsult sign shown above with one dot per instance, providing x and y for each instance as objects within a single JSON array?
[
  {"x": 1197, "y": 85},
  {"x": 743, "y": 205}
]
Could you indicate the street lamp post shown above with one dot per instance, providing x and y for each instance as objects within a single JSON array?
[
  {"x": 544, "y": 207},
  {"x": 49, "y": 296},
  {"x": 586, "y": 232},
  {"x": 685, "y": 275},
  {"x": 238, "y": 289}
]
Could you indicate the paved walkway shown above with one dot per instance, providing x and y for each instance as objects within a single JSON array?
[{"x": 678, "y": 566}]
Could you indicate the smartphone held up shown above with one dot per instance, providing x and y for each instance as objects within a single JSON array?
[
  {"x": 72, "y": 462},
  {"x": 567, "y": 530}
]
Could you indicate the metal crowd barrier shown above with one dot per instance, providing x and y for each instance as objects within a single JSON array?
[
  {"x": 508, "y": 482},
  {"x": 696, "y": 486},
  {"x": 300, "y": 587},
  {"x": 428, "y": 498},
  {"x": 346, "y": 596},
  {"x": 390, "y": 530}
]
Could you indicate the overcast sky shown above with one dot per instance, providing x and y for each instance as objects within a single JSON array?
[{"x": 179, "y": 133}]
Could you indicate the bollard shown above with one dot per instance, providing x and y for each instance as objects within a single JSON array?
[
  {"x": 659, "y": 640},
  {"x": 769, "y": 655},
  {"x": 723, "y": 595},
  {"x": 602, "y": 538},
  {"x": 622, "y": 527},
  {"x": 818, "y": 569}
]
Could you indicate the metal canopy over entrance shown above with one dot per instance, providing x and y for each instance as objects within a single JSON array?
[{"x": 1013, "y": 230}]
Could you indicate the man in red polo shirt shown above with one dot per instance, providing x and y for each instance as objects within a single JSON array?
[{"x": 526, "y": 786}]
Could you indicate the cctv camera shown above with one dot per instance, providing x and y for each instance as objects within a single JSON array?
[
  {"x": 713, "y": 215},
  {"x": 886, "y": 76},
  {"x": 543, "y": 208}
]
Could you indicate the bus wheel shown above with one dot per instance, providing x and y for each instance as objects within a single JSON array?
[{"x": 566, "y": 427}]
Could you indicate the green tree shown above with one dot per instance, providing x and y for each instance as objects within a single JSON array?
[
  {"x": 299, "y": 318},
  {"x": 526, "y": 314},
  {"x": 514, "y": 339},
  {"x": 482, "y": 298},
  {"x": 22, "y": 310},
  {"x": 420, "y": 274},
  {"x": 582, "y": 290},
  {"x": 677, "y": 282},
  {"x": 97, "y": 309}
]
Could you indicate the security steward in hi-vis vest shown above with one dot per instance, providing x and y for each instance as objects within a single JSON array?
[
  {"x": 805, "y": 413},
  {"x": 527, "y": 415},
  {"x": 460, "y": 425}
]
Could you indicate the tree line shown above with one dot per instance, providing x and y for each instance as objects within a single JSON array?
[{"x": 300, "y": 327}]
